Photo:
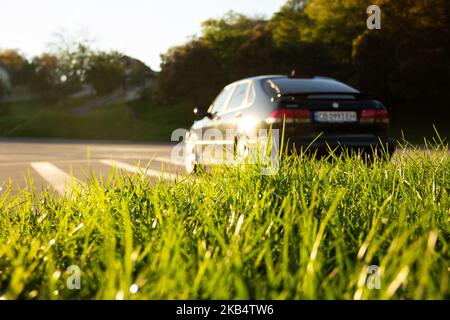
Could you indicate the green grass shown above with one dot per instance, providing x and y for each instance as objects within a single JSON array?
[
  {"x": 156, "y": 123},
  {"x": 112, "y": 123},
  {"x": 12, "y": 115},
  {"x": 310, "y": 231},
  {"x": 151, "y": 121}
]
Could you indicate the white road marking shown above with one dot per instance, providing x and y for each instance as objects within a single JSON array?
[
  {"x": 168, "y": 160},
  {"x": 134, "y": 169},
  {"x": 56, "y": 161},
  {"x": 201, "y": 142},
  {"x": 58, "y": 179},
  {"x": 211, "y": 161},
  {"x": 128, "y": 149}
]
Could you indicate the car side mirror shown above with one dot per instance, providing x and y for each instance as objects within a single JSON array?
[{"x": 201, "y": 113}]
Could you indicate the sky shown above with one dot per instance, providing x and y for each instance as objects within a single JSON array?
[{"x": 140, "y": 28}]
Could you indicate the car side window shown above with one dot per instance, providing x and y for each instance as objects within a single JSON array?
[
  {"x": 251, "y": 94},
  {"x": 221, "y": 100},
  {"x": 269, "y": 88},
  {"x": 238, "y": 98}
]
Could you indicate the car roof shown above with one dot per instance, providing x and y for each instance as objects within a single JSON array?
[
  {"x": 280, "y": 76},
  {"x": 310, "y": 85}
]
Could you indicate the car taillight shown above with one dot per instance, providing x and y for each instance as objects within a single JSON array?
[
  {"x": 374, "y": 116},
  {"x": 289, "y": 116},
  {"x": 302, "y": 116}
]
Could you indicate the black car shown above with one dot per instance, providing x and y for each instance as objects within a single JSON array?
[{"x": 314, "y": 112}]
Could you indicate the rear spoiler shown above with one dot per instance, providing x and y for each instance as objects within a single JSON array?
[{"x": 291, "y": 97}]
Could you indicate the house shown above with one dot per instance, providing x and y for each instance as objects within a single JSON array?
[
  {"x": 4, "y": 77},
  {"x": 137, "y": 73},
  {"x": 138, "y": 77}
]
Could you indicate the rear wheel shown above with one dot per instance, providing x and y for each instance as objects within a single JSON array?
[
  {"x": 191, "y": 161},
  {"x": 241, "y": 150}
]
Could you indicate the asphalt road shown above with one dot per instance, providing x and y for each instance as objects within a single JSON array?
[
  {"x": 56, "y": 165},
  {"x": 51, "y": 164}
]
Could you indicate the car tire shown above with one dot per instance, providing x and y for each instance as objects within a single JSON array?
[
  {"x": 241, "y": 150},
  {"x": 191, "y": 164}
]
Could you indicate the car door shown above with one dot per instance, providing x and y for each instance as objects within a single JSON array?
[
  {"x": 211, "y": 135},
  {"x": 231, "y": 115}
]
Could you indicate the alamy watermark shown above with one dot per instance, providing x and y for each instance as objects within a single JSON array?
[
  {"x": 374, "y": 20},
  {"x": 373, "y": 280},
  {"x": 73, "y": 281},
  {"x": 212, "y": 146}
]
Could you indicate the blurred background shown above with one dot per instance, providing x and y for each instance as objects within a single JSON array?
[{"x": 134, "y": 71}]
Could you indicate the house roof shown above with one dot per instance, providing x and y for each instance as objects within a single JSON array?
[{"x": 130, "y": 60}]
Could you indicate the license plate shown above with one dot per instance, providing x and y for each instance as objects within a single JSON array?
[{"x": 335, "y": 116}]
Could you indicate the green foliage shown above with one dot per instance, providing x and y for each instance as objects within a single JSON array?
[
  {"x": 288, "y": 23},
  {"x": 55, "y": 76},
  {"x": 228, "y": 34},
  {"x": 335, "y": 21},
  {"x": 73, "y": 63},
  {"x": 405, "y": 64},
  {"x": 46, "y": 77},
  {"x": 105, "y": 71},
  {"x": 310, "y": 231},
  {"x": 409, "y": 61},
  {"x": 18, "y": 66},
  {"x": 180, "y": 78}
]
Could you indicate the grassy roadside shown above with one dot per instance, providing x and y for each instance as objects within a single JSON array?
[
  {"x": 145, "y": 120},
  {"x": 137, "y": 121},
  {"x": 310, "y": 231}
]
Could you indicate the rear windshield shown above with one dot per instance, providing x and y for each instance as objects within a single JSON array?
[{"x": 316, "y": 85}]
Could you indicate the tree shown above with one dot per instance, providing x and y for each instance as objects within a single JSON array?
[
  {"x": 334, "y": 21},
  {"x": 227, "y": 34},
  {"x": 413, "y": 46},
  {"x": 18, "y": 66},
  {"x": 46, "y": 74},
  {"x": 256, "y": 55},
  {"x": 48, "y": 79},
  {"x": 405, "y": 63},
  {"x": 105, "y": 71},
  {"x": 191, "y": 73},
  {"x": 286, "y": 24},
  {"x": 73, "y": 52},
  {"x": 73, "y": 63},
  {"x": 61, "y": 73}
]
